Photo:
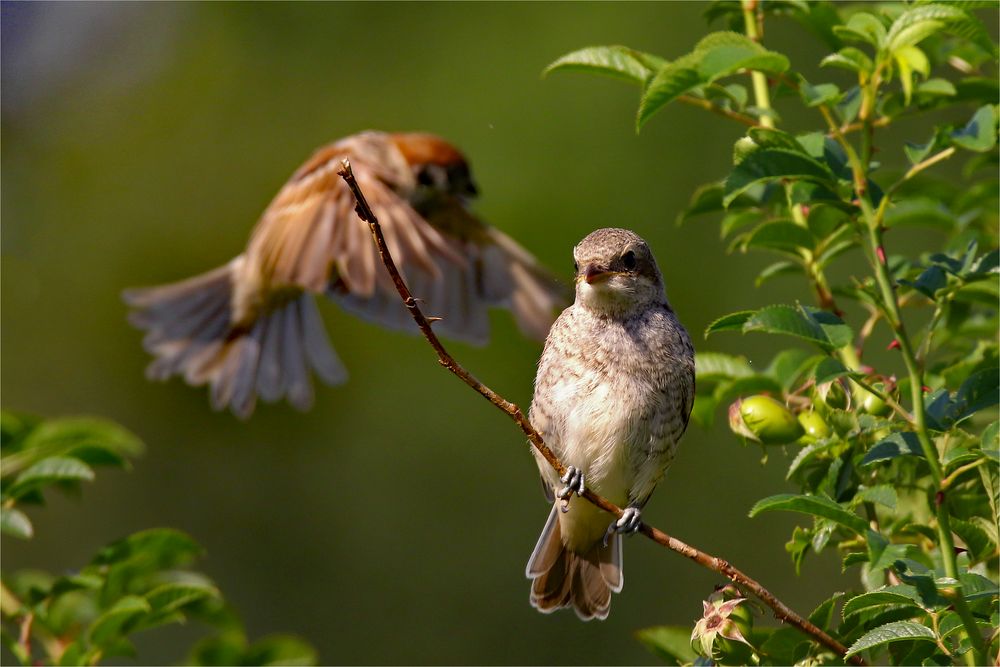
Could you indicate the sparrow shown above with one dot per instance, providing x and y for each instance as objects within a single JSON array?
[
  {"x": 613, "y": 394},
  {"x": 251, "y": 328}
]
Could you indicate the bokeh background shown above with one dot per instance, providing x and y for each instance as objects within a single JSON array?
[{"x": 390, "y": 524}]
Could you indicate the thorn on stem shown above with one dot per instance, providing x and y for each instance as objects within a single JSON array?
[
  {"x": 431, "y": 319},
  {"x": 926, "y": 389},
  {"x": 894, "y": 345},
  {"x": 939, "y": 498},
  {"x": 880, "y": 251}
]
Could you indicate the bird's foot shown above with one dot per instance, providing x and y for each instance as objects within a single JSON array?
[
  {"x": 575, "y": 482},
  {"x": 628, "y": 523}
]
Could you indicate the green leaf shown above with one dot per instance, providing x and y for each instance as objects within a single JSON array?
[
  {"x": 782, "y": 236},
  {"x": 771, "y": 164},
  {"x": 706, "y": 199},
  {"x": 731, "y": 322},
  {"x": 917, "y": 24},
  {"x": 14, "y": 522},
  {"x": 619, "y": 62},
  {"x": 862, "y": 27},
  {"x": 980, "y": 391},
  {"x": 900, "y": 443},
  {"x": 50, "y": 471},
  {"x": 849, "y": 58},
  {"x": 815, "y": 505},
  {"x": 823, "y": 615},
  {"x": 829, "y": 369},
  {"x": 713, "y": 366},
  {"x": 891, "y": 632},
  {"x": 980, "y": 133},
  {"x": 889, "y": 595},
  {"x": 774, "y": 270},
  {"x": 112, "y": 624},
  {"x": 977, "y": 540},
  {"x": 883, "y": 494},
  {"x": 162, "y": 547},
  {"x": 824, "y": 329},
  {"x": 670, "y": 643},
  {"x": 173, "y": 597},
  {"x": 822, "y": 93},
  {"x": 719, "y": 54},
  {"x": 89, "y": 439}
]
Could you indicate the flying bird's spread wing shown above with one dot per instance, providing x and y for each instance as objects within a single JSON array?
[{"x": 311, "y": 238}]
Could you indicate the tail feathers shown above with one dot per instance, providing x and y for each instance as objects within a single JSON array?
[
  {"x": 563, "y": 578},
  {"x": 190, "y": 333}
]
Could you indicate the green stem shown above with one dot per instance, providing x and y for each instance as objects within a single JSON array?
[{"x": 760, "y": 90}]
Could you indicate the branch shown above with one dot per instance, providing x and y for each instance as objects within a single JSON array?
[
  {"x": 749, "y": 121},
  {"x": 723, "y": 567}
]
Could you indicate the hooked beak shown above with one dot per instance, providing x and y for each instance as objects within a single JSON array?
[{"x": 595, "y": 273}]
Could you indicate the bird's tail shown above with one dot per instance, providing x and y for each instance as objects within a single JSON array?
[
  {"x": 190, "y": 332},
  {"x": 563, "y": 578}
]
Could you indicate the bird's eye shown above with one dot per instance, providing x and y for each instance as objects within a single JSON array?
[
  {"x": 628, "y": 260},
  {"x": 425, "y": 177}
]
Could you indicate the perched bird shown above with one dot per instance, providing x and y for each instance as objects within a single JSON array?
[
  {"x": 250, "y": 328},
  {"x": 613, "y": 394}
]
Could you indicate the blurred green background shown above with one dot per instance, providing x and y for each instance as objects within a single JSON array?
[{"x": 390, "y": 524}]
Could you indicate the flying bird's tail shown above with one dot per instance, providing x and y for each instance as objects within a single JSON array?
[
  {"x": 190, "y": 332},
  {"x": 563, "y": 578}
]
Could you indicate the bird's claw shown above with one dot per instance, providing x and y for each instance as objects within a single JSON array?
[
  {"x": 575, "y": 482},
  {"x": 628, "y": 523}
]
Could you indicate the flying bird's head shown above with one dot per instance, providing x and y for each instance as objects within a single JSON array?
[
  {"x": 616, "y": 273},
  {"x": 436, "y": 164}
]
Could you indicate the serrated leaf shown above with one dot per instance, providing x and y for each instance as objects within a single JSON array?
[
  {"x": 821, "y": 93},
  {"x": 823, "y": 615},
  {"x": 818, "y": 327},
  {"x": 814, "y": 505},
  {"x": 980, "y": 133},
  {"x": 111, "y": 624},
  {"x": 14, "y": 522},
  {"x": 719, "y": 54},
  {"x": 883, "y": 494},
  {"x": 862, "y": 27},
  {"x": 163, "y": 547},
  {"x": 888, "y": 595},
  {"x": 771, "y": 164},
  {"x": 280, "y": 650},
  {"x": 980, "y": 391},
  {"x": 712, "y": 366},
  {"x": 669, "y": 643},
  {"x": 731, "y": 322},
  {"x": 891, "y": 632},
  {"x": 900, "y": 443},
  {"x": 619, "y": 62},
  {"x": 50, "y": 471}
]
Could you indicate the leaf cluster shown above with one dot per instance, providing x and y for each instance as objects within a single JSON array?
[
  {"x": 135, "y": 584},
  {"x": 897, "y": 468}
]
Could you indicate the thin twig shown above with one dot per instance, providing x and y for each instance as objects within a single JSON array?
[{"x": 723, "y": 567}]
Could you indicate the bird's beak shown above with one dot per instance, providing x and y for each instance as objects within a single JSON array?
[{"x": 595, "y": 273}]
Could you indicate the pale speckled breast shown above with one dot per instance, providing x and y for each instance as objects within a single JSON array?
[{"x": 612, "y": 397}]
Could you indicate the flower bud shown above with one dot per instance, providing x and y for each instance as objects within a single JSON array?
[
  {"x": 764, "y": 420},
  {"x": 874, "y": 405},
  {"x": 814, "y": 426}
]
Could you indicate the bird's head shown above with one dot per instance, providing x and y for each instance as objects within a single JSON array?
[
  {"x": 436, "y": 164},
  {"x": 616, "y": 273}
]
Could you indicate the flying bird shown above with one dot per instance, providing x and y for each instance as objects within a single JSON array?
[
  {"x": 251, "y": 328},
  {"x": 613, "y": 394}
]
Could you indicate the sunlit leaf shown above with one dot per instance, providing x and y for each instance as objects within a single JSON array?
[
  {"x": 891, "y": 632},
  {"x": 814, "y": 505}
]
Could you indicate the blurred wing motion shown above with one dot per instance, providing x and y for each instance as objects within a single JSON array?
[{"x": 251, "y": 328}]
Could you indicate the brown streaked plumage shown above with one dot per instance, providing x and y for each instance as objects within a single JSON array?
[
  {"x": 613, "y": 394},
  {"x": 251, "y": 328}
]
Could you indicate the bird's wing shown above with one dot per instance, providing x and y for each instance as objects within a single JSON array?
[
  {"x": 311, "y": 238},
  {"x": 310, "y": 234}
]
